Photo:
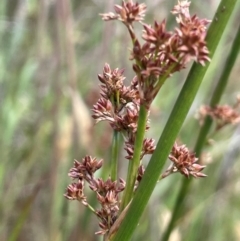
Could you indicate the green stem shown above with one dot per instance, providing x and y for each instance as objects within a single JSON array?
[
  {"x": 114, "y": 154},
  {"x": 91, "y": 208},
  {"x": 134, "y": 163},
  {"x": 115, "y": 141},
  {"x": 163, "y": 78},
  {"x": 220, "y": 87}
]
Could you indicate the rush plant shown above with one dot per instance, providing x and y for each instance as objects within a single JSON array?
[{"x": 127, "y": 108}]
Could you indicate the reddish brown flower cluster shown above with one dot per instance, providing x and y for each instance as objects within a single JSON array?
[
  {"x": 127, "y": 13},
  {"x": 148, "y": 148},
  {"x": 223, "y": 114},
  {"x": 107, "y": 192},
  {"x": 163, "y": 52},
  {"x": 119, "y": 105},
  {"x": 108, "y": 197},
  {"x": 74, "y": 191},
  {"x": 183, "y": 161},
  {"x": 182, "y": 9}
]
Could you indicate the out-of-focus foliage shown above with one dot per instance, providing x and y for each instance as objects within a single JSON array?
[{"x": 50, "y": 54}]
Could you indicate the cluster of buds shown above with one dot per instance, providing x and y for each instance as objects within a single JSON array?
[
  {"x": 222, "y": 114},
  {"x": 163, "y": 52},
  {"x": 127, "y": 13},
  {"x": 119, "y": 105},
  {"x": 183, "y": 161},
  {"x": 107, "y": 192}
]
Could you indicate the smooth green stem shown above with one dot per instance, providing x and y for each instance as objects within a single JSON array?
[
  {"x": 114, "y": 154},
  {"x": 115, "y": 141},
  {"x": 134, "y": 163},
  {"x": 220, "y": 87},
  {"x": 117, "y": 98},
  {"x": 163, "y": 78},
  {"x": 91, "y": 208}
]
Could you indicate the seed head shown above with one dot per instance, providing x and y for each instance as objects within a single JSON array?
[
  {"x": 185, "y": 162},
  {"x": 127, "y": 12},
  {"x": 74, "y": 191}
]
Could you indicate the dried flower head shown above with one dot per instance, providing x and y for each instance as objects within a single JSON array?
[
  {"x": 85, "y": 169},
  {"x": 127, "y": 12},
  {"x": 107, "y": 192},
  {"x": 147, "y": 148},
  {"x": 103, "y": 111},
  {"x": 163, "y": 52},
  {"x": 156, "y": 35},
  {"x": 74, "y": 191},
  {"x": 223, "y": 114},
  {"x": 108, "y": 197},
  {"x": 119, "y": 106},
  {"x": 182, "y": 10},
  {"x": 185, "y": 162},
  {"x": 112, "y": 80},
  {"x": 192, "y": 44}
]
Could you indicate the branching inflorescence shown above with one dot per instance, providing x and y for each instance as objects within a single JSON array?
[{"x": 161, "y": 54}]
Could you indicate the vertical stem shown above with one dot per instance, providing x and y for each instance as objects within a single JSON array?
[
  {"x": 134, "y": 163},
  {"x": 114, "y": 154}
]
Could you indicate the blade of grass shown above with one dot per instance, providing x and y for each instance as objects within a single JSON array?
[{"x": 173, "y": 126}]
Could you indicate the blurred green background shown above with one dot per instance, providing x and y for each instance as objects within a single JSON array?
[{"x": 50, "y": 54}]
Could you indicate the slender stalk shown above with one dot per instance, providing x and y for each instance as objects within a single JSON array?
[
  {"x": 220, "y": 87},
  {"x": 172, "y": 127},
  {"x": 91, "y": 208},
  {"x": 115, "y": 142},
  {"x": 134, "y": 163},
  {"x": 114, "y": 154},
  {"x": 163, "y": 78}
]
